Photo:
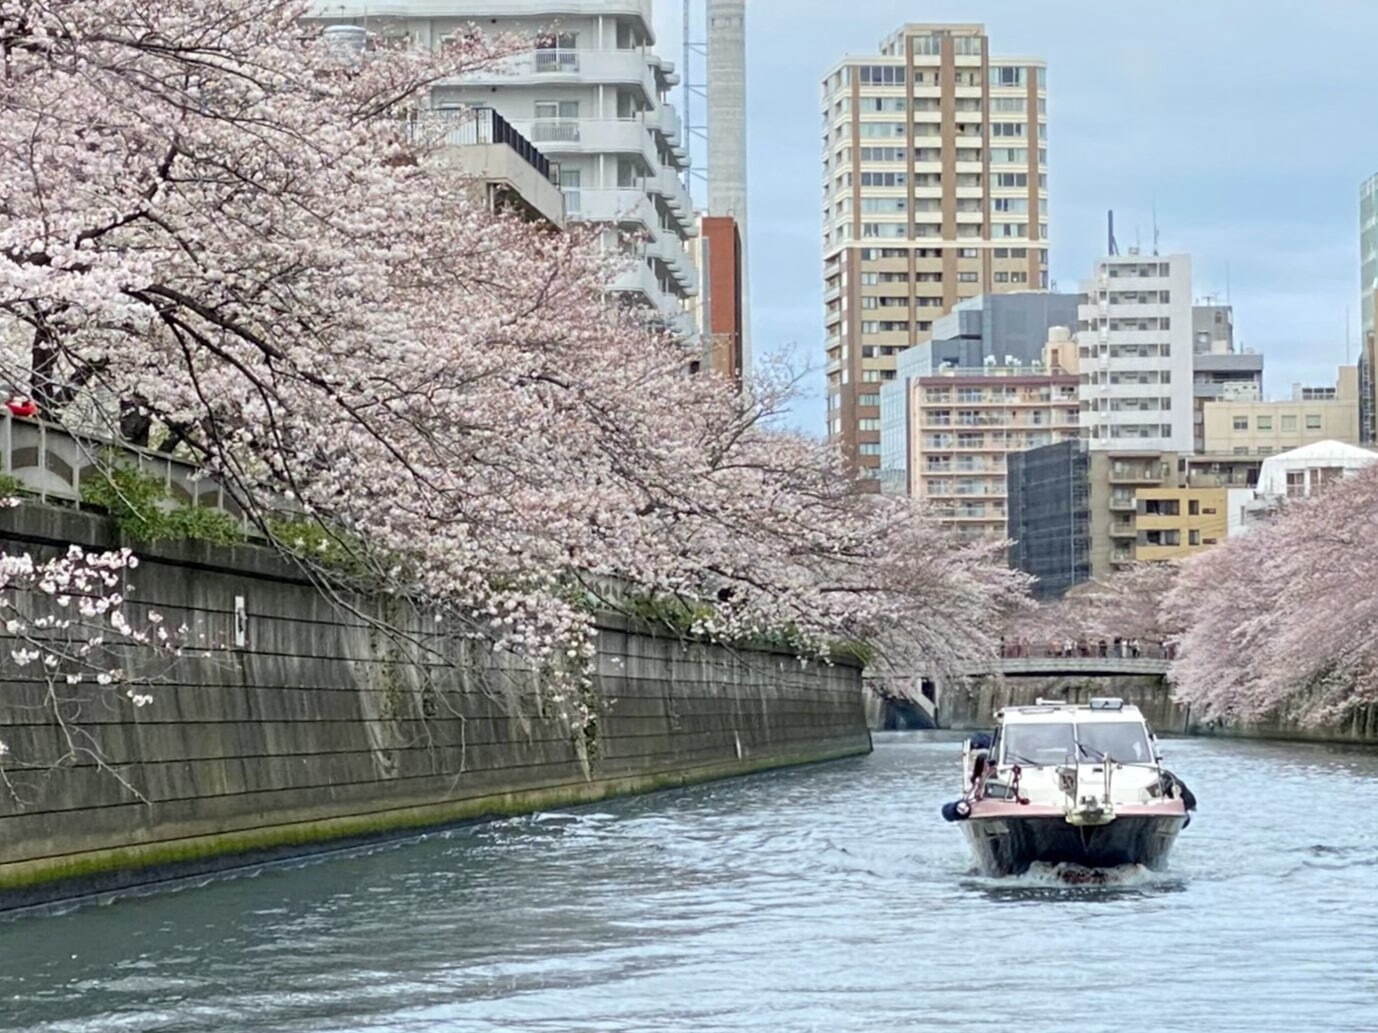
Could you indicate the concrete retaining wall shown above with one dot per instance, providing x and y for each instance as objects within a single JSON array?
[
  {"x": 970, "y": 705},
  {"x": 322, "y": 731}
]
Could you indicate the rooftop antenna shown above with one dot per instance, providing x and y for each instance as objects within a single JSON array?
[
  {"x": 1155, "y": 227},
  {"x": 1114, "y": 248},
  {"x": 692, "y": 87}
]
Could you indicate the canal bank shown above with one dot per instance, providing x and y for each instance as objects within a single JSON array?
[{"x": 294, "y": 725}]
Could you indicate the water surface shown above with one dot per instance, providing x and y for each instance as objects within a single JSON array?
[{"x": 829, "y": 898}]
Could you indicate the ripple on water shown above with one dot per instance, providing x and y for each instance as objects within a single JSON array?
[{"x": 828, "y": 898}]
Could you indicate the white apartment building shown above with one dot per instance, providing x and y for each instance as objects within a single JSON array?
[
  {"x": 590, "y": 94},
  {"x": 935, "y": 189},
  {"x": 1134, "y": 343}
]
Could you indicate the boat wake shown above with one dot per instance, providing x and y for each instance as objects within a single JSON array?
[{"x": 1066, "y": 879}]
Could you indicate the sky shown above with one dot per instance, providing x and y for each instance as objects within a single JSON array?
[{"x": 1247, "y": 125}]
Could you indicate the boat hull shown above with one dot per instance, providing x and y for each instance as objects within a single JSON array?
[{"x": 1008, "y": 844}]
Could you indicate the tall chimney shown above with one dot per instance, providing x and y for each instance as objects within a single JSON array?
[{"x": 727, "y": 131}]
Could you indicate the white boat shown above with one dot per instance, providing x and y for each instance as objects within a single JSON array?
[{"x": 1063, "y": 783}]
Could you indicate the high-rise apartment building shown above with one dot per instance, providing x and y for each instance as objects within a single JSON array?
[
  {"x": 963, "y": 424},
  {"x": 1134, "y": 333},
  {"x": 591, "y": 95},
  {"x": 991, "y": 329},
  {"x": 934, "y": 190},
  {"x": 1368, "y": 308}
]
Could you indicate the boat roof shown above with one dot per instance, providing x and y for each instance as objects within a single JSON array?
[{"x": 1058, "y": 712}]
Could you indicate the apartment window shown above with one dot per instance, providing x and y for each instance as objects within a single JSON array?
[
  {"x": 1008, "y": 105},
  {"x": 1008, "y": 128},
  {"x": 882, "y": 104},
  {"x": 884, "y": 204},
  {"x": 868, "y": 399},
  {"x": 556, "y": 52},
  {"x": 868, "y": 424},
  {"x": 1265, "y": 423},
  {"x": 569, "y": 186},
  {"x": 556, "y": 120},
  {"x": 929, "y": 154},
  {"x": 1002, "y": 277},
  {"x": 1193, "y": 507},
  {"x": 869, "y": 448},
  {"x": 871, "y": 130},
  {"x": 1313, "y": 421},
  {"x": 968, "y": 252},
  {"x": 1011, "y": 179},
  {"x": 1289, "y": 423},
  {"x": 969, "y": 46},
  {"x": 1002, "y": 75},
  {"x": 1009, "y": 156},
  {"x": 928, "y": 45},
  {"x": 968, "y": 278},
  {"x": 1018, "y": 205},
  {"x": 1193, "y": 537},
  {"x": 881, "y": 75}
]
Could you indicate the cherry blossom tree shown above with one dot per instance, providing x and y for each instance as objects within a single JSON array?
[
  {"x": 1283, "y": 621},
  {"x": 69, "y": 635},
  {"x": 1126, "y": 605},
  {"x": 250, "y": 246}
]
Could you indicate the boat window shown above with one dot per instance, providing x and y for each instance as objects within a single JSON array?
[
  {"x": 1038, "y": 743},
  {"x": 1125, "y": 741}
]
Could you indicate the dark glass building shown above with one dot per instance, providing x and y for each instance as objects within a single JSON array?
[{"x": 1049, "y": 509}]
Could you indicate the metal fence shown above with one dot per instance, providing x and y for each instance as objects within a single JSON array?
[
  {"x": 52, "y": 463},
  {"x": 469, "y": 127}
]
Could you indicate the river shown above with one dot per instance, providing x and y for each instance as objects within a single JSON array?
[{"x": 829, "y": 898}]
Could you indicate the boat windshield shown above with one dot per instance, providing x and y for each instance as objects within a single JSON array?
[
  {"x": 1054, "y": 743},
  {"x": 1040, "y": 743},
  {"x": 1124, "y": 741}
]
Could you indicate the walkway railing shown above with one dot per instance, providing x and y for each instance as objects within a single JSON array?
[{"x": 52, "y": 463}]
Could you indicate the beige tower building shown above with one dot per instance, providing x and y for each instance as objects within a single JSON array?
[{"x": 934, "y": 190}]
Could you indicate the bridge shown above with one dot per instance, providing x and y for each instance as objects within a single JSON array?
[
  {"x": 915, "y": 701},
  {"x": 1090, "y": 666}
]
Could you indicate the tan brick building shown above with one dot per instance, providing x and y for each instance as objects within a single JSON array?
[{"x": 934, "y": 190}]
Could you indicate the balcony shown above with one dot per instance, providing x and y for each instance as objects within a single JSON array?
[
  {"x": 591, "y": 136},
  {"x": 1133, "y": 475},
  {"x": 667, "y": 184},
  {"x": 564, "y": 66},
  {"x": 624, "y": 207},
  {"x": 1122, "y": 529},
  {"x": 1123, "y": 504},
  {"x": 668, "y": 250},
  {"x": 665, "y": 121},
  {"x": 485, "y": 146}
]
